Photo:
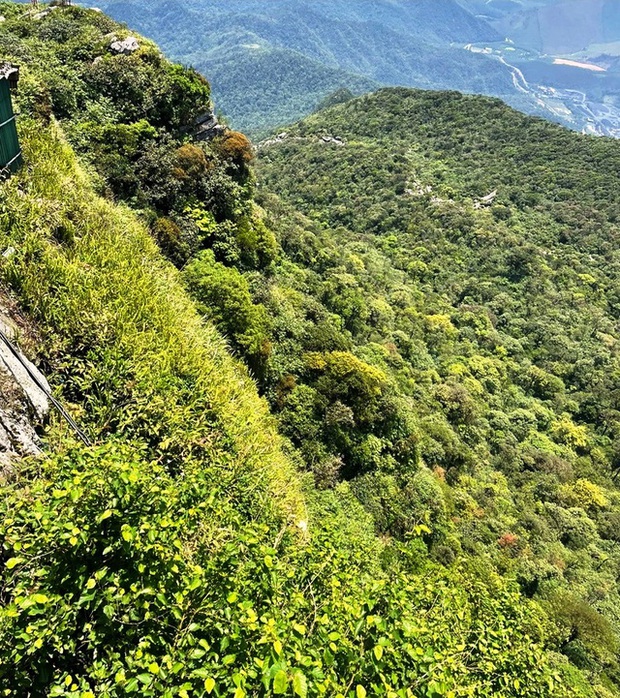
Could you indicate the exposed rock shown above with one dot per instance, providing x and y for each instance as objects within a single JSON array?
[
  {"x": 418, "y": 189},
  {"x": 44, "y": 13},
  {"x": 486, "y": 200},
  {"x": 333, "y": 139},
  {"x": 23, "y": 403},
  {"x": 207, "y": 127},
  {"x": 125, "y": 47},
  {"x": 280, "y": 138}
]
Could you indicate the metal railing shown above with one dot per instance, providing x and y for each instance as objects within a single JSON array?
[
  {"x": 43, "y": 388},
  {"x": 10, "y": 150}
]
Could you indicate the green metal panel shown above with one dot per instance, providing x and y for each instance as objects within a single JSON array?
[{"x": 10, "y": 152}]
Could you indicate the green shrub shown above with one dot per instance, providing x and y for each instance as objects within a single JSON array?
[{"x": 223, "y": 295}]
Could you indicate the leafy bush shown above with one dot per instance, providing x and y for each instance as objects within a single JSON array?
[{"x": 224, "y": 296}]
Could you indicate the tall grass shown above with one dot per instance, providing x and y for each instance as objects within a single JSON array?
[{"x": 123, "y": 341}]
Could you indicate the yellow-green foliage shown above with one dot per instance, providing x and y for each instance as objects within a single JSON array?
[
  {"x": 342, "y": 366},
  {"x": 585, "y": 494},
  {"x": 164, "y": 561},
  {"x": 565, "y": 431},
  {"x": 157, "y": 563},
  {"x": 126, "y": 340}
]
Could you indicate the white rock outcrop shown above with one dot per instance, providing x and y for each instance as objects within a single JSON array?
[{"x": 126, "y": 46}]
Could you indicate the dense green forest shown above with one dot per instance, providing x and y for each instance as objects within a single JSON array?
[
  {"x": 285, "y": 85},
  {"x": 412, "y": 495},
  {"x": 468, "y": 256}
]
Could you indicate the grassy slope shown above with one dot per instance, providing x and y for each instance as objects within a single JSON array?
[{"x": 125, "y": 341}]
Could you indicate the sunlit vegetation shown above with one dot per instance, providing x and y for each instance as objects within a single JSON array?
[
  {"x": 421, "y": 501},
  {"x": 467, "y": 255}
]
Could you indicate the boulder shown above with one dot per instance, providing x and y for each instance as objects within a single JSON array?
[
  {"x": 125, "y": 47},
  {"x": 336, "y": 140},
  {"x": 207, "y": 127}
]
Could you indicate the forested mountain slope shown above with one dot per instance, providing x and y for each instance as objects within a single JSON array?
[
  {"x": 469, "y": 255},
  {"x": 186, "y": 553},
  {"x": 356, "y": 43},
  {"x": 285, "y": 84},
  {"x": 252, "y": 50},
  {"x": 429, "y": 509}
]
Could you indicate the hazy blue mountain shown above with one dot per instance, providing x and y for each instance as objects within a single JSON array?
[
  {"x": 270, "y": 63},
  {"x": 273, "y": 62},
  {"x": 560, "y": 26}
]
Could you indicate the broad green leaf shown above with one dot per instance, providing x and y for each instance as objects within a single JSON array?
[
  {"x": 378, "y": 652},
  {"x": 209, "y": 685},
  {"x": 300, "y": 684},
  {"x": 360, "y": 691},
  {"x": 131, "y": 685},
  {"x": 13, "y": 562},
  {"x": 280, "y": 683}
]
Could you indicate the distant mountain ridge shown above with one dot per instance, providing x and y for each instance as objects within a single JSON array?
[
  {"x": 272, "y": 63},
  {"x": 360, "y": 44},
  {"x": 563, "y": 26}
]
